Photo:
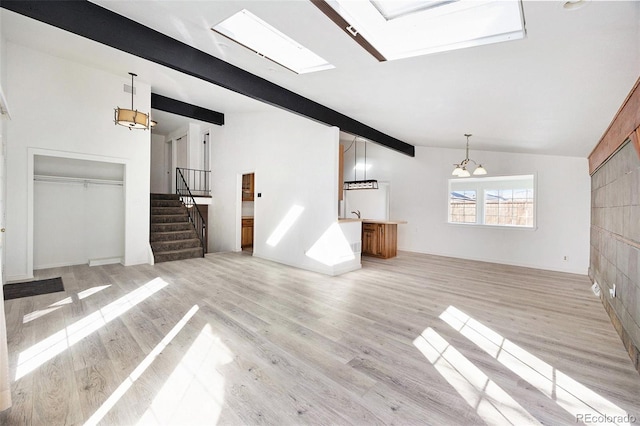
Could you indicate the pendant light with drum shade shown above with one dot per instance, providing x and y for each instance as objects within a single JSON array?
[
  {"x": 131, "y": 118},
  {"x": 460, "y": 169}
]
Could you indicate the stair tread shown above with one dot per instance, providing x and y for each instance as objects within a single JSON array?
[
  {"x": 169, "y": 213},
  {"x": 157, "y": 196},
  {"x": 170, "y": 224},
  {"x": 170, "y": 218},
  {"x": 171, "y": 232},
  {"x": 163, "y": 203},
  {"x": 180, "y": 250},
  {"x": 177, "y": 241},
  {"x": 178, "y": 255}
]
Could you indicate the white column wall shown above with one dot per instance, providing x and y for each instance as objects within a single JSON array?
[
  {"x": 5, "y": 381},
  {"x": 419, "y": 194},
  {"x": 62, "y": 106},
  {"x": 296, "y": 164}
]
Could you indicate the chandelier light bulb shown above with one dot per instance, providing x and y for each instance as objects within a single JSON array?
[{"x": 480, "y": 170}]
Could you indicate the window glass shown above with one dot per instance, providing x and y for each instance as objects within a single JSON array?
[
  {"x": 512, "y": 207},
  {"x": 462, "y": 207},
  {"x": 494, "y": 201}
]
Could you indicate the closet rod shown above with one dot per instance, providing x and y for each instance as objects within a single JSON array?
[{"x": 64, "y": 179}]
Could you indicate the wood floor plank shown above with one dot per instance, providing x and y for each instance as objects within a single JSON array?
[{"x": 270, "y": 344}]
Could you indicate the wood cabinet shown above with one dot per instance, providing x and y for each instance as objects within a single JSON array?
[
  {"x": 380, "y": 239},
  {"x": 248, "y": 183},
  {"x": 247, "y": 232}
]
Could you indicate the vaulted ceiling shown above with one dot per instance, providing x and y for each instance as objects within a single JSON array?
[{"x": 554, "y": 92}]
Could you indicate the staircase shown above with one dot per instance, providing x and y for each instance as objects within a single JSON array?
[{"x": 172, "y": 236}]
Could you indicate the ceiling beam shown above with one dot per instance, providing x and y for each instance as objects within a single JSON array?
[
  {"x": 348, "y": 29},
  {"x": 186, "y": 110},
  {"x": 96, "y": 23}
]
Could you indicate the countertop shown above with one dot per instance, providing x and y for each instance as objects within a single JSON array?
[{"x": 384, "y": 222}]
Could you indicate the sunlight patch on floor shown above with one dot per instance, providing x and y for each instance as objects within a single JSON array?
[
  {"x": 489, "y": 400},
  {"x": 194, "y": 392},
  {"x": 135, "y": 374},
  {"x": 46, "y": 349},
  {"x": 569, "y": 394},
  {"x": 57, "y": 305},
  {"x": 332, "y": 248}
]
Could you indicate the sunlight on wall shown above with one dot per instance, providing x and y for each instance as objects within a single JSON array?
[
  {"x": 285, "y": 224},
  {"x": 146, "y": 362},
  {"x": 332, "y": 248},
  {"x": 46, "y": 349},
  {"x": 571, "y": 395},
  {"x": 57, "y": 305},
  {"x": 194, "y": 393},
  {"x": 489, "y": 400}
]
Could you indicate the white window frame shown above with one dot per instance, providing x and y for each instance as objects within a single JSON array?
[{"x": 483, "y": 184}]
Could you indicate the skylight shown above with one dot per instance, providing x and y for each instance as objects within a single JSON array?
[
  {"x": 392, "y": 9},
  {"x": 253, "y": 33},
  {"x": 406, "y": 28}
]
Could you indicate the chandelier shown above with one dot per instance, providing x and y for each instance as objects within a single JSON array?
[{"x": 460, "y": 169}]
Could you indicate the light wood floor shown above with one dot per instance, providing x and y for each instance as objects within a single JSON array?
[{"x": 232, "y": 339}]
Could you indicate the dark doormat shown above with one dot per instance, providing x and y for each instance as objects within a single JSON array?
[{"x": 33, "y": 288}]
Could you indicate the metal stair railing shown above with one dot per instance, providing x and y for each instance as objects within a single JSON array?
[
  {"x": 197, "y": 181},
  {"x": 195, "y": 217}
]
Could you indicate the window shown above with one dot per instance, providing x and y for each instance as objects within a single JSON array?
[
  {"x": 462, "y": 207},
  {"x": 508, "y": 207},
  {"x": 496, "y": 201}
]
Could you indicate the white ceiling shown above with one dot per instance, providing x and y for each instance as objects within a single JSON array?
[{"x": 555, "y": 92}]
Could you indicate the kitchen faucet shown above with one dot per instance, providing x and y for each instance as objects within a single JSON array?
[{"x": 357, "y": 213}]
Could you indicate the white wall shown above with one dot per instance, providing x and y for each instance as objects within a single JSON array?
[
  {"x": 159, "y": 180},
  {"x": 62, "y": 106},
  {"x": 196, "y": 147},
  {"x": 295, "y": 161},
  {"x": 5, "y": 388},
  {"x": 419, "y": 195}
]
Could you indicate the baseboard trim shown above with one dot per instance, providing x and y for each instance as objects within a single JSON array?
[
  {"x": 12, "y": 279},
  {"x": 632, "y": 349},
  {"x": 105, "y": 261},
  {"x": 575, "y": 271}
]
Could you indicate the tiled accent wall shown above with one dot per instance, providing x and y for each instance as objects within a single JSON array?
[{"x": 615, "y": 242}]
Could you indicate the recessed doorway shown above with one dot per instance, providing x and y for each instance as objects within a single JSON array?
[{"x": 248, "y": 194}]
